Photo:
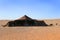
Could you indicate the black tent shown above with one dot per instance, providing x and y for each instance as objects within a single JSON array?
[{"x": 26, "y": 21}]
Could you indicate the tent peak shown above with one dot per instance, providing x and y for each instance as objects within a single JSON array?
[{"x": 24, "y": 18}]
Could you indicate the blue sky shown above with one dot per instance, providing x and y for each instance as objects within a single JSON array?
[{"x": 36, "y": 9}]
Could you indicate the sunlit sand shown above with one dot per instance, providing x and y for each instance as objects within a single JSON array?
[{"x": 30, "y": 33}]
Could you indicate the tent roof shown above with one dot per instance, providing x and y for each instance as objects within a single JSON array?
[{"x": 25, "y": 17}]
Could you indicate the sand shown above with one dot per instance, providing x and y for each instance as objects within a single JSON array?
[{"x": 30, "y": 33}]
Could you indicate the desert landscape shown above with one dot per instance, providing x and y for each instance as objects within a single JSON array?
[{"x": 31, "y": 32}]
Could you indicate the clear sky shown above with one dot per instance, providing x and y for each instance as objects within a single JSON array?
[{"x": 36, "y": 9}]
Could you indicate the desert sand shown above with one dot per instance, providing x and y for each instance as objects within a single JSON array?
[{"x": 31, "y": 33}]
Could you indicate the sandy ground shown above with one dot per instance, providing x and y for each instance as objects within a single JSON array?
[{"x": 30, "y": 33}]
